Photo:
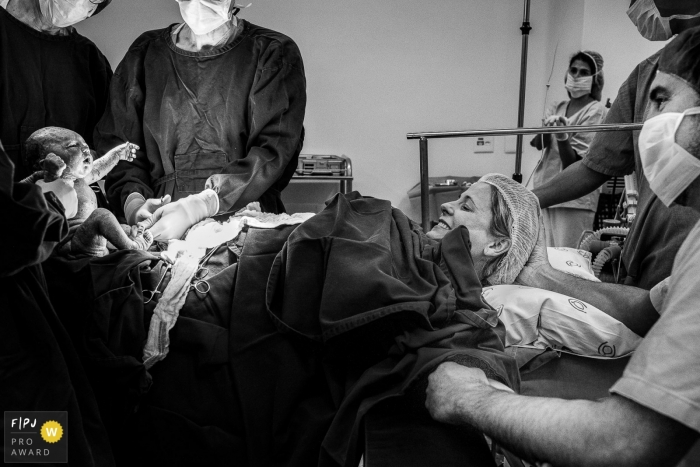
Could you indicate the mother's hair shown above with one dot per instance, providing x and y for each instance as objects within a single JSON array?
[{"x": 515, "y": 214}]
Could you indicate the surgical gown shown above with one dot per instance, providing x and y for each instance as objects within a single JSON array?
[
  {"x": 234, "y": 112},
  {"x": 47, "y": 80}
]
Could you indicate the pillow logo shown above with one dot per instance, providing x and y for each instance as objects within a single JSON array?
[
  {"x": 51, "y": 431},
  {"x": 573, "y": 264},
  {"x": 606, "y": 350},
  {"x": 578, "y": 305}
]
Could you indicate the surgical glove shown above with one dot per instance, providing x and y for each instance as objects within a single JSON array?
[
  {"x": 558, "y": 120},
  {"x": 172, "y": 220},
  {"x": 138, "y": 209}
]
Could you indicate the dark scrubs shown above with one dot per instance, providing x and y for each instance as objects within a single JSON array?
[
  {"x": 235, "y": 112},
  {"x": 39, "y": 367},
  {"x": 47, "y": 80}
]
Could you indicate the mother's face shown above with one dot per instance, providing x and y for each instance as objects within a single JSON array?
[{"x": 473, "y": 210}]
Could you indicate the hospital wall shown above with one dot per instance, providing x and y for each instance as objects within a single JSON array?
[{"x": 378, "y": 69}]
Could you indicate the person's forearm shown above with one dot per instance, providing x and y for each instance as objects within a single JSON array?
[
  {"x": 629, "y": 305},
  {"x": 613, "y": 431},
  {"x": 566, "y": 153},
  {"x": 572, "y": 183}
]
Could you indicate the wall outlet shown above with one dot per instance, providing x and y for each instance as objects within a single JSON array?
[
  {"x": 483, "y": 144},
  {"x": 511, "y": 142}
]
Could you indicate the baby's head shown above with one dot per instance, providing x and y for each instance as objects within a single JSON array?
[
  {"x": 66, "y": 144},
  {"x": 502, "y": 218}
]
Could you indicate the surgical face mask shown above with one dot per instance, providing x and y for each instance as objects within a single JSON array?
[
  {"x": 64, "y": 13},
  {"x": 668, "y": 167},
  {"x": 650, "y": 24},
  {"x": 578, "y": 87},
  {"x": 204, "y": 16}
]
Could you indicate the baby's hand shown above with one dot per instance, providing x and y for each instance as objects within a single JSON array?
[
  {"x": 126, "y": 151},
  {"x": 53, "y": 166}
]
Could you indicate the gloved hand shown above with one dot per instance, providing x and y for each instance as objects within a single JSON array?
[
  {"x": 172, "y": 220},
  {"x": 137, "y": 208},
  {"x": 558, "y": 120}
]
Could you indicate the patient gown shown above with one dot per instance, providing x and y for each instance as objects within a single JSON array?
[{"x": 39, "y": 367}]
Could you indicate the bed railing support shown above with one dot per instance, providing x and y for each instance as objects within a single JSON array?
[{"x": 425, "y": 136}]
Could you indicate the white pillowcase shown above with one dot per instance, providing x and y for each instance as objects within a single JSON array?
[
  {"x": 543, "y": 319},
  {"x": 572, "y": 261}
]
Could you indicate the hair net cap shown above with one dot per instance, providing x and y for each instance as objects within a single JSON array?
[
  {"x": 681, "y": 57},
  {"x": 524, "y": 210}
]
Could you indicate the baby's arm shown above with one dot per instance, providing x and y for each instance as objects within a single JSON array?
[{"x": 102, "y": 166}]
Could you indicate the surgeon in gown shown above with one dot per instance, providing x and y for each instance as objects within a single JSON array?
[
  {"x": 49, "y": 74},
  {"x": 215, "y": 101}
]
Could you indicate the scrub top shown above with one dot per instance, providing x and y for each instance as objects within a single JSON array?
[
  {"x": 550, "y": 166},
  {"x": 234, "y": 112},
  {"x": 657, "y": 231},
  {"x": 47, "y": 80},
  {"x": 663, "y": 372}
]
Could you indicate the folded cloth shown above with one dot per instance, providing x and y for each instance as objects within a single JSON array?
[
  {"x": 168, "y": 309},
  {"x": 209, "y": 233}
]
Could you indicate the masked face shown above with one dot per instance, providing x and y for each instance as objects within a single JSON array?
[
  {"x": 579, "y": 79},
  {"x": 204, "y": 16},
  {"x": 669, "y": 132},
  {"x": 655, "y": 22},
  {"x": 64, "y": 13}
]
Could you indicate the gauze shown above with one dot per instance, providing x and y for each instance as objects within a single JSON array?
[
  {"x": 64, "y": 13},
  {"x": 168, "y": 309},
  {"x": 650, "y": 24},
  {"x": 524, "y": 208},
  {"x": 578, "y": 87},
  {"x": 204, "y": 16},
  {"x": 668, "y": 167}
]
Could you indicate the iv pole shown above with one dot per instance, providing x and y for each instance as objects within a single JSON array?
[{"x": 525, "y": 28}]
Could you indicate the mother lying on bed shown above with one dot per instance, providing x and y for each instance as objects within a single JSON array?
[{"x": 502, "y": 218}]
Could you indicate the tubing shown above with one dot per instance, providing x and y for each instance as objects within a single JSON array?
[{"x": 611, "y": 252}]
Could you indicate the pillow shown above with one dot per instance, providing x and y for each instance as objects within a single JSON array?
[
  {"x": 572, "y": 261},
  {"x": 544, "y": 319}
]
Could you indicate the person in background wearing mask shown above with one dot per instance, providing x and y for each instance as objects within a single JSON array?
[
  {"x": 216, "y": 103},
  {"x": 653, "y": 414},
  {"x": 657, "y": 231},
  {"x": 565, "y": 222},
  {"x": 49, "y": 74}
]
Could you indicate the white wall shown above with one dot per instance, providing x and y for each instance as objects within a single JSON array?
[{"x": 378, "y": 69}]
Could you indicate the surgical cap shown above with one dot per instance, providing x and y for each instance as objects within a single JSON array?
[
  {"x": 524, "y": 208},
  {"x": 681, "y": 57}
]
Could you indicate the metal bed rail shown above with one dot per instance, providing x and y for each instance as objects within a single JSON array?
[{"x": 425, "y": 136}]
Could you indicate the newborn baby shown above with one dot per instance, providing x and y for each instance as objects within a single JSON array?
[{"x": 67, "y": 169}]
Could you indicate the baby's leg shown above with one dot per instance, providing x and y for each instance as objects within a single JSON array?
[{"x": 92, "y": 236}]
